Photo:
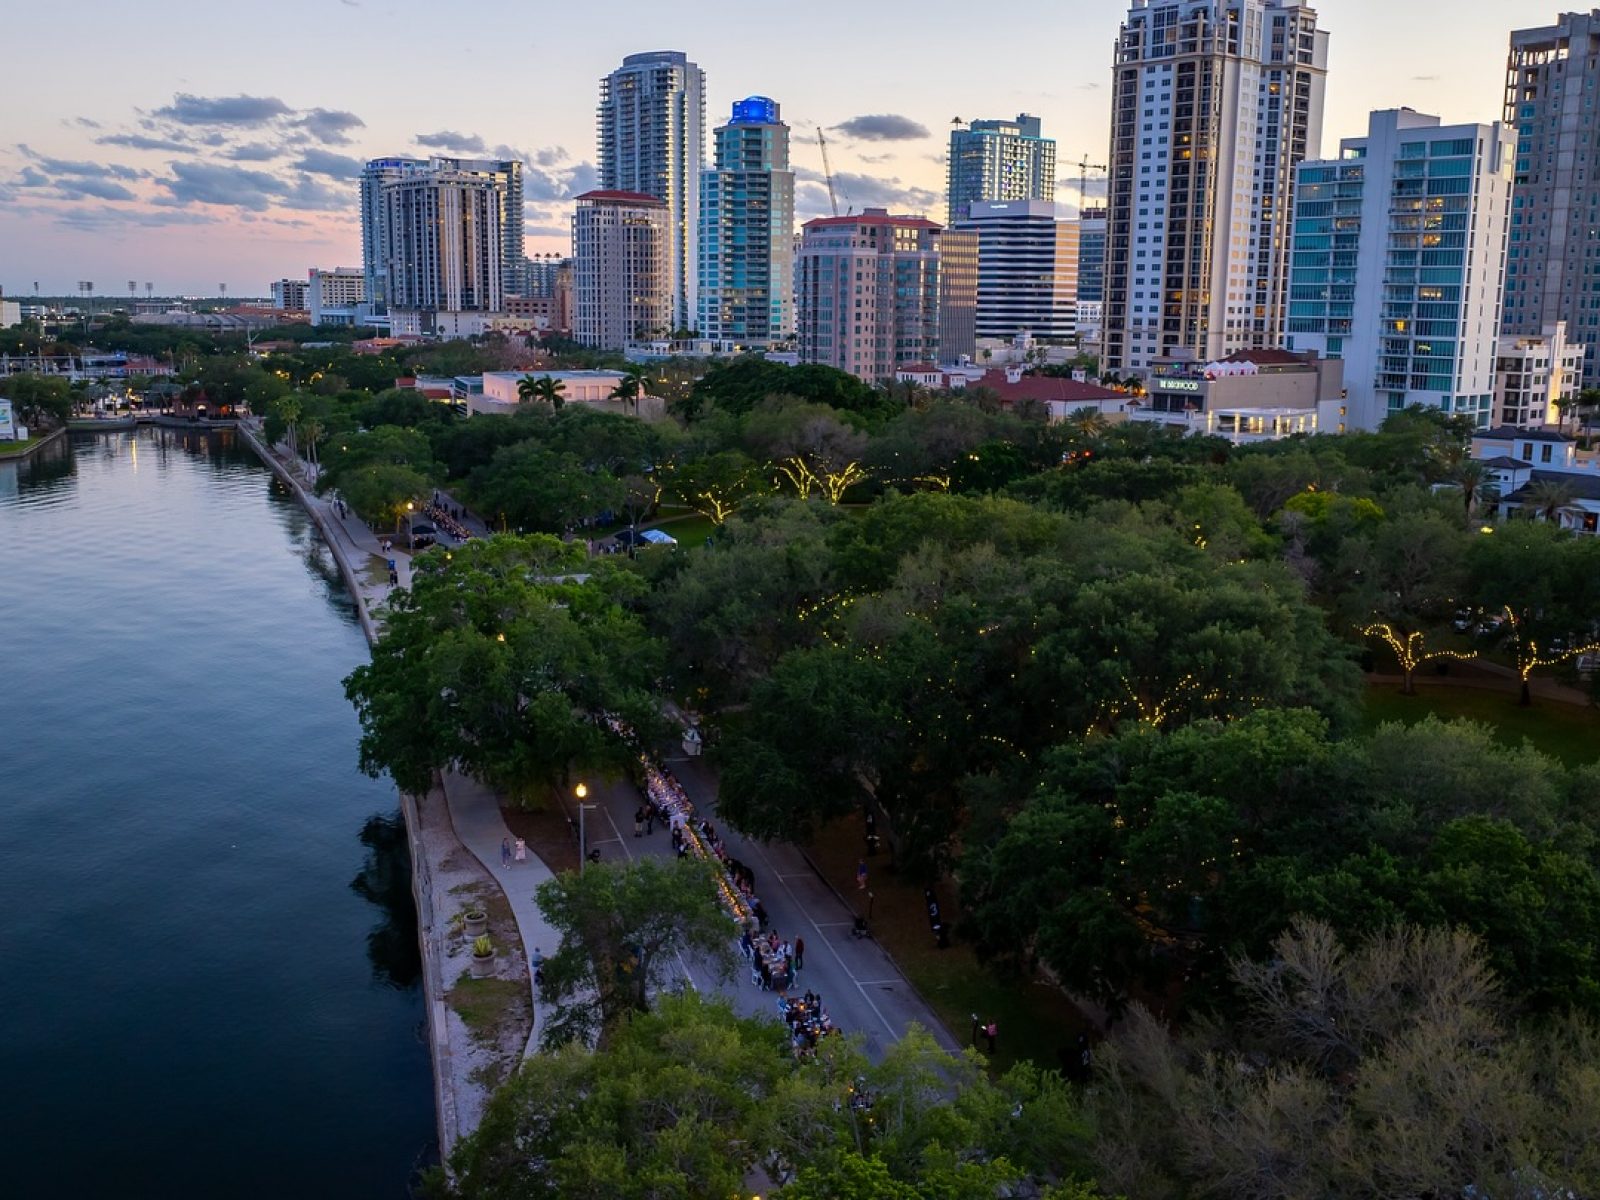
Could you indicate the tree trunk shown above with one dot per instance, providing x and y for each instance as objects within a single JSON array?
[
  {"x": 1408, "y": 686},
  {"x": 1526, "y": 697}
]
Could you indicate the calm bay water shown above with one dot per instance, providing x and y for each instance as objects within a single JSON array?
[{"x": 208, "y": 964}]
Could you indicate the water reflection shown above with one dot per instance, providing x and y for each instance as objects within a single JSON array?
[{"x": 385, "y": 880}]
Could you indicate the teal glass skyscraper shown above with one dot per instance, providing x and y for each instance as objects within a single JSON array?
[{"x": 746, "y": 243}]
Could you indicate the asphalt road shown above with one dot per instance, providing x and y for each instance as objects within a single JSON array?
[{"x": 861, "y": 988}]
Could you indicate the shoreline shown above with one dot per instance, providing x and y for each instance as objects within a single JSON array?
[
  {"x": 443, "y": 868},
  {"x": 34, "y": 447}
]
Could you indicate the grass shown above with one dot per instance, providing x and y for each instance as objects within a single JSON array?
[
  {"x": 691, "y": 529},
  {"x": 485, "y": 1005},
  {"x": 1037, "y": 1021},
  {"x": 1568, "y": 732},
  {"x": 19, "y": 447}
]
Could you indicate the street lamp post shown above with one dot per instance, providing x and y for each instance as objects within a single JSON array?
[{"x": 581, "y": 791}]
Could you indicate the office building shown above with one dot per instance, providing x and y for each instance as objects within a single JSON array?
[
  {"x": 999, "y": 160},
  {"x": 336, "y": 297},
  {"x": 869, "y": 292},
  {"x": 1214, "y": 104},
  {"x": 443, "y": 247},
  {"x": 1399, "y": 254},
  {"x": 1552, "y": 270},
  {"x": 622, "y": 270},
  {"x": 958, "y": 295},
  {"x": 1537, "y": 376},
  {"x": 746, "y": 284},
  {"x": 379, "y": 173},
  {"x": 289, "y": 294},
  {"x": 1027, "y": 269},
  {"x": 651, "y": 123}
]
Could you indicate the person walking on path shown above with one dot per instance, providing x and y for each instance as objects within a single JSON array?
[
  {"x": 522, "y": 850},
  {"x": 799, "y": 954},
  {"x": 505, "y": 852}
]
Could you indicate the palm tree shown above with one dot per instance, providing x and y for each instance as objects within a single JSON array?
[
  {"x": 1087, "y": 422},
  {"x": 631, "y": 386},
  {"x": 289, "y": 409},
  {"x": 1476, "y": 484},
  {"x": 1565, "y": 407},
  {"x": 1548, "y": 497},
  {"x": 313, "y": 431},
  {"x": 543, "y": 387}
]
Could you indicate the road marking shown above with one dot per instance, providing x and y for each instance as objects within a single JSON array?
[
  {"x": 833, "y": 924},
  {"x": 878, "y": 982},
  {"x": 626, "y": 849}
]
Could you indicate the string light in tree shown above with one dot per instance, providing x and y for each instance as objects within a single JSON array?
[{"x": 1409, "y": 649}]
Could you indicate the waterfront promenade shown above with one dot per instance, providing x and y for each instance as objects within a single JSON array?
[{"x": 864, "y": 990}]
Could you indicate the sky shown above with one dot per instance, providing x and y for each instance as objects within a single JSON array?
[{"x": 191, "y": 144}]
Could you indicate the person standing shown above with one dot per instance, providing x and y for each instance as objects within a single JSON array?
[
  {"x": 638, "y": 821},
  {"x": 991, "y": 1032},
  {"x": 861, "y": 875},
  {"x": 505, "y": 852},
  {"x": 799, "y": 954},
  {"x": 522, "y": 850}
]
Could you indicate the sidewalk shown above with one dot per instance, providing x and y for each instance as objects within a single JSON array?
[{"x": 475, "y": 814}]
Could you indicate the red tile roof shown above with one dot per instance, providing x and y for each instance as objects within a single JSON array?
[
  {"x": 623, "y": 197},
  {"x": 1265, "y": 357},
  {"x": 1044, "y": 388},
  {"x": 875, "y": 216}
]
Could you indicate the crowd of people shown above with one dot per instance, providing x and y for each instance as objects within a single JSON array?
[
  {"x": 774, "y": 962},
  {"x": 446, "y": 518},
  {"x": 807, "y": 1020}
]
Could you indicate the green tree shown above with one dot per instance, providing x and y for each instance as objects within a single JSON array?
[
  {"x": 500, "y": 661},
  {"x": 623, "y": 929},
  {"x": 633, "y": 384},
  {"x": 543, "y": 389},
  {"x": 535, "y": 489}
]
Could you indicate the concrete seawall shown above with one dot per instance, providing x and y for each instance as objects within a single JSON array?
[{"x": 430, "y": 931}]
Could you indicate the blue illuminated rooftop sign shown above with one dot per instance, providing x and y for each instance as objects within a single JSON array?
[{"x": 755, "y": 110}]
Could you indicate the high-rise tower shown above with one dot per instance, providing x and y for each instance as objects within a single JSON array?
[
  {"x": 999, "y": 160},
  {"x": 651, "y": 124},
  {"x": 746, "y": 245},
  {"x": 1214, "y": 103},
  {"x": 1552, "y": 273}
]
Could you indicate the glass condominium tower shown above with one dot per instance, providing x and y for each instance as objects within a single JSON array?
[
  {"x": 1214, "y": 103},
  {"x": 746, "y": 243},
  {"x": 651, "y": 124},
  {"x": 999, "y": 160}
]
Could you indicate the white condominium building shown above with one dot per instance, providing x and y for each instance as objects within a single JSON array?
[
  {"x": 1214, "y": 103},
  {"x": 652, "y": 129},
  {"x": 621, "y": 268}
]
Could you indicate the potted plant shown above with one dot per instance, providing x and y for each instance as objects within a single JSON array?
[
  {"x": 476, "y": 920},
  {"x": 482, "y": 957}
]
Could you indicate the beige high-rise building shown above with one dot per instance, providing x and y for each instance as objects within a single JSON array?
[
  {"x": 869, "y": 292},
  {"x": 621, "y": 269},
  {"x": 1214, "y": 103}
]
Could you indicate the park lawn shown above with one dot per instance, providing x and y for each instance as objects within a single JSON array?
[
  {"x": 1568, "y": 732},
  {"x": 1036, "y": 1021},
  {"x": 18, "y": 447},
  {"x": 690, "y": 528}
]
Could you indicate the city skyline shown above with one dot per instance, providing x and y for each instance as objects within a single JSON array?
[{"x": 238, "y": 166}]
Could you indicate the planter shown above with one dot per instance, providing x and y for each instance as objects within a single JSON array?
[
  {"x": 482, "y": 966},
  {"x": 475, "y": 922}
]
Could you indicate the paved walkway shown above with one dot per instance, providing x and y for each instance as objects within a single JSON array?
[
  {"x": 475, "y": 815},
  {"x": 862, "y": 987},
  {"x": 860, "y": 984}
]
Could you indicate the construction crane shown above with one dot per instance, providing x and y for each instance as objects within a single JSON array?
[
  {"x": 827, "y": 171},
  {"x": 1084, "y": 167}
]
